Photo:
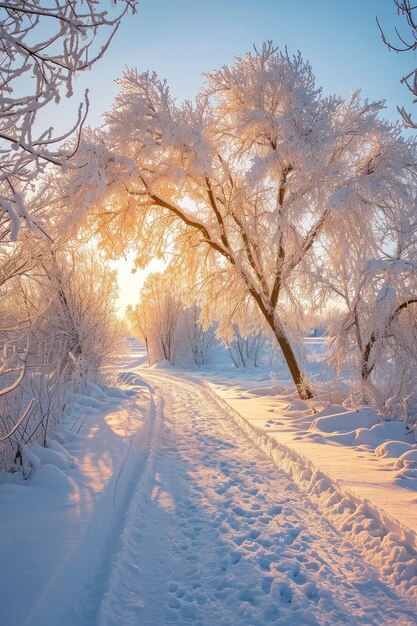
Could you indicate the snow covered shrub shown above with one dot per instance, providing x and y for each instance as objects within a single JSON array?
[
  {"x": 370, "y": 276},
  {"x": 32, "y": 385},
  {"x": 57, "y": 332},
  {"x": 31, "y": 413},
  {"x": 246, "y": 350},
  {"x": 81, "y": 292},
  {"x": 201, "y": 342}
]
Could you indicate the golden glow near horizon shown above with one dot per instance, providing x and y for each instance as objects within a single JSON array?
[{"x": 130, "y": 284}]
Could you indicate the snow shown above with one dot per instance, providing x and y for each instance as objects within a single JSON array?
[
  {"x": 358, "y": 463},
  {"x": 392, "y": 448},
  {"x": 49, "y": 477},
  {"x": 407, "y": 459},
  {"x": 175, "y": 500},
  {"x": 45, "y": 520},
  {"x": 267, "y": 391},
  {"x": 50, "y": 456},
  {"x": 343, "y": 422}
]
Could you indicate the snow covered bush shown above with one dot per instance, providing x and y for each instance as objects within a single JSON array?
[
  {"x": 378, "y": 337},
  {"x": 252, "y": 187},
  {"x": 246, "y": 351},
  {"x": 33, "y": 388},
  {"x": 372, "y": 282},
  {"x": 81, "y": 292},
  {"x": 33, "y": 411},
  {"x": 201, "y": 344},
  {"x": 57, "y": 333}
]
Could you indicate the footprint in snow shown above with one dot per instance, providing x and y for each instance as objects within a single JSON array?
[
  {"x": 266, "y": 584},
  {"x": 271, "y": 613},
  {"x": 284, "y": 593},
  {"x": 275, "y": 510}
]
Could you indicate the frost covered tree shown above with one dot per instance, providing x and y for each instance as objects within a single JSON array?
[
  {"x": 244, "y": 185},
  {"x": 44, "y": 45},
  {"x": 156, "y": 318},
  {"x": 169, "y": 323},
  {"x": 374, "y": 284}
]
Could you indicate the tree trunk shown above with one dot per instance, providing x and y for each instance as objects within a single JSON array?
[
  {"x": 147, "y": 350},
  {"x": 303, "y": 389},
  {"x": 365, "y": 369},
  {"x": 300, "y": 382}
]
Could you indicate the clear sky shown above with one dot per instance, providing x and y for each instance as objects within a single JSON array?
[{"x": 181, "y": 39}]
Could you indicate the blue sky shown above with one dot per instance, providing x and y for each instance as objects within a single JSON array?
[{"x": 181, "y": 39}]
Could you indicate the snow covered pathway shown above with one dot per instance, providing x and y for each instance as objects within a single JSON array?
[{"x": 216, "y": 534}]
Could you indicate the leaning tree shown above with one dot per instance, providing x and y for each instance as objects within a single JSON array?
[{"x": 244, "y": 185}]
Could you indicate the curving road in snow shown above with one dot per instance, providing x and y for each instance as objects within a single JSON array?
[{"x": 216, "y": 534}]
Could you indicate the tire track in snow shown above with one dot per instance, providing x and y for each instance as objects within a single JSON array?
[
  {"x": 74, "y": 596},
  {"x": 217, "y": 535},
  {"x": 122, "y": 566}
]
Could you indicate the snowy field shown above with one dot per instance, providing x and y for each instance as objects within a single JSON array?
[{"x": 154, "y": 506}]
